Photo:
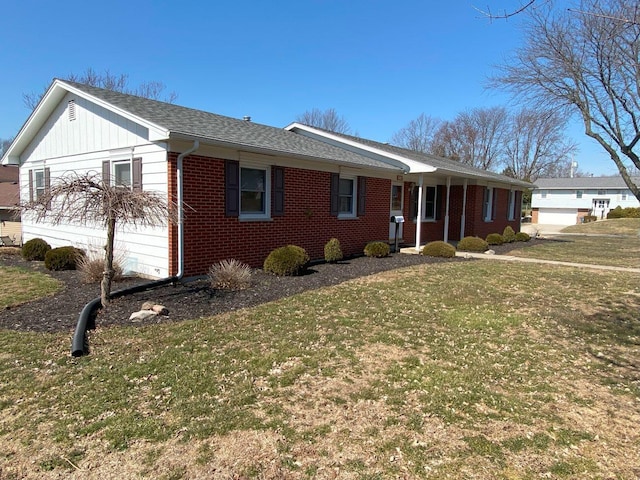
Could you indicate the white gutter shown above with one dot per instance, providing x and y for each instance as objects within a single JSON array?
[{"x": 180, "y": 195}]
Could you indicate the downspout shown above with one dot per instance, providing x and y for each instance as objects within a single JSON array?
[
  {"x": 419, "y": 213},
  {"x": 463, "y": 217},
  {"x": 446, "y": 211},
  {"x": 86, "y": 320},
  {"x": 180, "y": 199}
]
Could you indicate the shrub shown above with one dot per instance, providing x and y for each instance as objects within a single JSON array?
[
  {"x": 377, "y": 249},
  {"x": 508, "y": 235},
  {"x": 62, "y": 258},
  {"x": 91, "y": 268},
  {"x": 494, "y": 239},
  {"x": 289, "y": 260},
  {"x": 439, "y": 249},
  {"x": 230, "y": 275},
  {"x": 473, "y": 244},
  {"x": 589, "y": 218},
  {"x": 333, "y": 251},
  {"x": 620, "y": 212},
  {"x": 522, "y": 237},
  {"x": 35, "y": 249}
]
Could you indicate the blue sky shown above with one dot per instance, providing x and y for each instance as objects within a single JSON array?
[{"x": 380, "y": 64}]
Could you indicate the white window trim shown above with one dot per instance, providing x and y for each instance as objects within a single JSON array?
[
  {"x": 354, "y": 197},
  {"x": 512, "y": 205},
  {"x": 488, "y": 217},
  {"x": 579, "y": 194},
  {"x": 43, "y": 188},
  {"x": 113, "y": 172},
  {"x": 267, "y": 192},
  {"x": 424, "y": 203}
]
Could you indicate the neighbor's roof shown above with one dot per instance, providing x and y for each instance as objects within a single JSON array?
[
  {"x": 418, "y": 162},
  {"x": 166, "y": 121},
  {"x": 583, "y": 183},
  {"x": 9, "y": 194}
]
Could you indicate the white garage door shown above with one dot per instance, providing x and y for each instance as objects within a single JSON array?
[{"x": 558, "y": 216}]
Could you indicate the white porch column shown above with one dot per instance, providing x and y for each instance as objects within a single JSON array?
[
  {"x": 446, "y": 211},
  {"x": 419, "y": 212},
  {"x": 464, "y": 208}
]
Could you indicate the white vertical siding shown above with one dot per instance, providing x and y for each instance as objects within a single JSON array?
[{"x": 81, "y": 145}]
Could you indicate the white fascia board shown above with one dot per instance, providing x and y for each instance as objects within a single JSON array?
[{"x": 406, "y": 164}]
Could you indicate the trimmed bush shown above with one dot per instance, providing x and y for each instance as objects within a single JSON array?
[
  {"x": 472, "y": 244},
  {"x": 377, "y": 249},
  {"x": 35, "y": 249},
  {"x": 620, "y": 212},
  {"x": 522, "y": 237},
  {"x": 333, "y": 251},
  {"x": 589, "y": 218},
  {"x": 62, "y": 258},
  {"x": 91, "y": 268},
  {"x": 439, "y": 249},
  {"x": 230, "y": 275},
  {"x": 508, "y": 235},
  {"x": 289, "y": 260},
  {"x": 494, "y": 239}
]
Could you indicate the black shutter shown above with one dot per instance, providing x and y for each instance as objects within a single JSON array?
[
  {"x": 494, "y": 204},
  {"x": 47, "y": 184},
  {"x": 362, "y": 196},
  {"x": 413, "y": 203},
  {"x": 31, "y": 185},
  {"x": 106, "y": 172},
  {"x": 335, "y": 194},
  {"x": 439, "y": 201},
  {"x": 277, "y": 207},
  {"x": 136, "y": 174},
  {"x": 232, "y": 188}
]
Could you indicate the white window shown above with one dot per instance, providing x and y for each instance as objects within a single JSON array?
[
  {"x": 543, "y": 194},
  {"x": 254, "y": 192},
  {"x": 38, "y": 183},
  {"x": 602, "y": 192},
  {"x": 623, "y": 195},
  {"x": 579, "y": 193},
  {"x": 430, "y": 203},
  {"x": 487, "y": 204},
  {"x": 347, "y": 197},
  {"x": 512, "y": 205},
  {"x": 122, "y": 174}
]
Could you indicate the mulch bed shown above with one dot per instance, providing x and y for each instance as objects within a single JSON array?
[{"x": 188, "y": 300}]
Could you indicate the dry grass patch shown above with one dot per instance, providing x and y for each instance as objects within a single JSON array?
[{"x": 616, "y": 226}]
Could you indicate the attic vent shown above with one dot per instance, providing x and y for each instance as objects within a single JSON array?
[{"x": 72, "y": 110}]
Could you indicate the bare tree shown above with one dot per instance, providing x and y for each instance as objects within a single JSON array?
[
  {"x": 535, "y": 145},
  {"x": 474, "y": 137},
  {"x": 587, "y": 64},
  {"x": 328, "y": 120},
  {"x": 5, "y": 143},
  {"x": 504, "y": 13},
  {"x": 89, "y": 200},
  {"x": 418, "y": 134},
  {"x": 119, "y": 83}
]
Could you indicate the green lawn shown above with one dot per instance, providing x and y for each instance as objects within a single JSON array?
[
  {"x": 18, "y": 285},
  {"x": 473, "y": 369}
]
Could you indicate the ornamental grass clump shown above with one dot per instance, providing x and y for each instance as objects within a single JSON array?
[
  {"x": 494, "y": 239},
  {"x": 35, "y": 249},
  {"x": 91, "y": 268},
  {"x": 287, "y": 261},
  {"x": 63, "y": 258},
  {"x": 377, "y": 249},
  {"x": 522, "y": 237},
  {"x": 230, "y": 275},
  {"x": 333, "y": 251},
  {"x": 508, "y": 235},
  {"x": 439, "y": 249},
  {"x": 472, "y": 244}
]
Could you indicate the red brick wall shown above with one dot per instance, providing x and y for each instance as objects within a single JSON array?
[
  {"x": 210, "y": 236},
  {"x": 475, "y": 224}
]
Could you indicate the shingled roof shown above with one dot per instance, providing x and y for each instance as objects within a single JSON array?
[
  {"x": 584, "y": 183},
  {"x": 218, "y": 129}
]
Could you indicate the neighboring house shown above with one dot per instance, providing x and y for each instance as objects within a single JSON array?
[
  {"x": 564, "y": 201},
  {"x": 247, "y": 188},
  {"x": 9, "y": 198}
]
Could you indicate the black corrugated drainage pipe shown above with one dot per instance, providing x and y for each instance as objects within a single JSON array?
[{"x": 87, "y": 318}]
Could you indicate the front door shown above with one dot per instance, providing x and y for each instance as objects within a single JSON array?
[{"x": 397, "y": 202}]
